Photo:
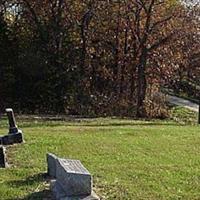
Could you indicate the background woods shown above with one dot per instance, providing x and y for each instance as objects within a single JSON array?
[{"x": 95, "y": 57}]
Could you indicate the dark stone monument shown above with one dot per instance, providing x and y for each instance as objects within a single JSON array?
[
  {"x": 2, "y": 157},
  {"x": 12, "y": 123},
  {"x": 14, "y": 135}
]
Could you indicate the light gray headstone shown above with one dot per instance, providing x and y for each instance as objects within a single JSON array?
[
  {"x": 73, "y": 177},
  {"x": 59, "y": 193}
]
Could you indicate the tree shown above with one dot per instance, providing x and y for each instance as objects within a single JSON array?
[{"x": 91, "y": 57}]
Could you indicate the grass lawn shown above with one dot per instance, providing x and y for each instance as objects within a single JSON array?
[{"x": 128, "y": 159}]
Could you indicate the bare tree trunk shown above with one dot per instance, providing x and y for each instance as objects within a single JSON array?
[
  {"x": 124, "y": 65},
  {"x": 116, "y": 70},
  {"x": 142, "y": 84}
]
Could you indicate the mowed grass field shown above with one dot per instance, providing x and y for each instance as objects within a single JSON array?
[{"x": 128, "y": 159}]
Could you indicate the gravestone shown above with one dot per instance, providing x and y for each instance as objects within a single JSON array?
[
  {"x": 73, "y": 177},
  {"x": 14, "y": 135},
  {"x": 2, "y": 157},
  {"x": 73, "y": 180},
  {"x": 11, "y": 119}
]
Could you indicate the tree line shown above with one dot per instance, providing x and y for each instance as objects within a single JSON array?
[{"x": 92, "y": 57}]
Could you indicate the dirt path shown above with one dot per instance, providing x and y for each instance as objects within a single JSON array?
[{"x": 183, "y": 102}]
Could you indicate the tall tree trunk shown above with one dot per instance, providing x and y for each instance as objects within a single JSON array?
[
  {"x": 142, "y": 84},
  {"x": 124, "y": 65},
  {"x": 116, "y": 70}
]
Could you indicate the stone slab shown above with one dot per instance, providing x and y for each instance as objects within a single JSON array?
[
  {"x": 59, "y": 193},
  {"x": 12, "y": 138},
  {"x": 2, "y": 157},
  {"x": 51, "y": 164},
  {"x": 73, "y": 177}
]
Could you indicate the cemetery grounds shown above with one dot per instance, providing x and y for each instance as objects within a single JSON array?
[{"x": 129, "y": 159}]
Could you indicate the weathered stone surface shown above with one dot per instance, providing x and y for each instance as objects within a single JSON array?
[
  {"x": 59, "y": 193},
  {"x": 51, "y": 164},
  {"x": 12, "y": 138},
  {"x": 2, "y": 157},
  {"x": 57, "y": 190},
  {"x": 11, "y": 119},
  {"x": 73, "y": 177}
]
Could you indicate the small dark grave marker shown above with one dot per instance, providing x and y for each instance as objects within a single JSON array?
[
  {"x": 2, "y": 157},
  {"x": 14, "y": 135},
  {"x": 11, "y": 119}
]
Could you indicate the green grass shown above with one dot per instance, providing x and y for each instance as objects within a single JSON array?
[
  {"x": 183, "y": 115},
  {"x": 128, "y": 159}
]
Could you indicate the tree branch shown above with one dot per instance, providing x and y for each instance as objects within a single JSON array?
[{"x": 160, "y": 42}]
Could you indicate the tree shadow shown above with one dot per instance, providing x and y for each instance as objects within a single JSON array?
[
  {"x": 40, "y": 178},
  {"x": 36, "y": 178},
  {"x": 129, "y": 124},
  {"x": 42, "y": 195}
]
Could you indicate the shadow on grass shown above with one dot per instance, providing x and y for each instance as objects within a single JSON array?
[
  {"x": 42, "y": 195},
  {"x": 128, "y": 124},
  {"x": 38, "y": 179}
]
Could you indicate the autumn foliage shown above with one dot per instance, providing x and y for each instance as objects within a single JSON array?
[{"x": 90, "y": 57}]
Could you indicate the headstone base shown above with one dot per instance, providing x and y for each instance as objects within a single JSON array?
[
  {"x": 12, "y": 138},
  {"x": 59, "y": 193}
]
